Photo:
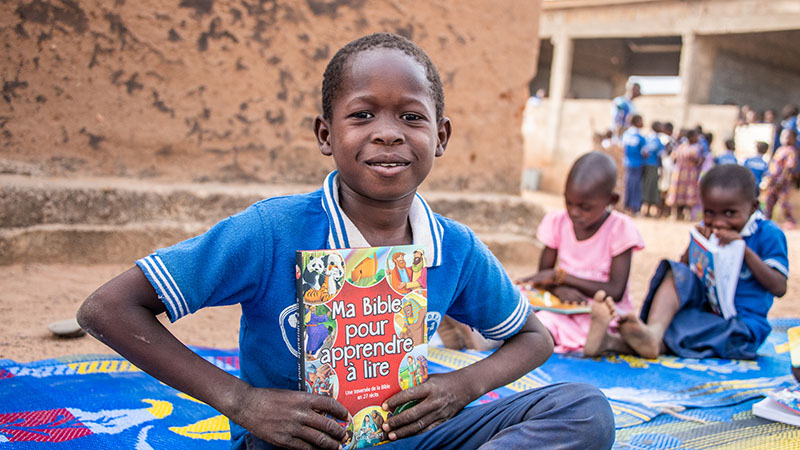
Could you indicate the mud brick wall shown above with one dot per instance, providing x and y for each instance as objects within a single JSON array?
[{"x": 226, "y": 91}]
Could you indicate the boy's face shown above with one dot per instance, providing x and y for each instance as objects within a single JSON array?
[
  {"x": 726, "y": 208},
  {"x": 383, "y": 133}
]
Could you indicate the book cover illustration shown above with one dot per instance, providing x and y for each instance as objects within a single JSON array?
[
  {"x": 782, "y": 405},
  {"x": 789, "y": 398},
  {"x": 542, "y": 300},
  {"x": 363, "y": 333},
  {"x": 718, "y": 268}
]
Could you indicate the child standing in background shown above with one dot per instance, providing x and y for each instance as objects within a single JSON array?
[
  {"x": 667, "y": 166},
  {"x": 729, "y": 157},
  {"x": 757, "y": 165},
  {"x": 588, "y": 247},
  {"x": 633, "y": 161},
  {"x": 651, "y": 198},
  {"x": 682, "y": 193},
  {"x": 779, "y": 178},
  {"x": 676, "y": 315}
]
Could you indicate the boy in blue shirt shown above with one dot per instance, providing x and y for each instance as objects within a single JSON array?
[
  {"x": 383, "y": 124},
  {"x": 633, "y": 162},
  {"x": 729, "y": 157},
  {"x": 757, "y": 165}
]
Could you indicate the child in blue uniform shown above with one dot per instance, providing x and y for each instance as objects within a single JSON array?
[
  {"x": 383, "y": 123},
  {"x": 757, "y": 165},
  {"x": 633, "y": 161},
  {"x": 676, "y": 316}
]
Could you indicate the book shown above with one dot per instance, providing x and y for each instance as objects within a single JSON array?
[
  {"x": 718, "y": 268},
  {"x": 782, "y": 405},
  {"x": 542, "y": 300},
  {"x": 362, "y": 331}
]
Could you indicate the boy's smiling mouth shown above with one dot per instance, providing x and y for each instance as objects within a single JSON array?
[{"x": 393, "y": 164}]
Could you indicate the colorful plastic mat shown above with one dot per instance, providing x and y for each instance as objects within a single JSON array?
[{"x": 102, "y": 401}]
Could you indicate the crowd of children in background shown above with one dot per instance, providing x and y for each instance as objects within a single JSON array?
[{"x": 662, "y": 167}]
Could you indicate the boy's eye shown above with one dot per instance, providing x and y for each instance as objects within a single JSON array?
[
  {"x": 411, "y": 117},
  {"x": 362, "y": 115}
]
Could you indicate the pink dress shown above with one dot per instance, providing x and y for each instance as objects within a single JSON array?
[{"x": 589, "y": 259}]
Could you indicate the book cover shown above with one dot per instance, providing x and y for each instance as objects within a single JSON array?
[
  {"x": 718, "y": 268},
  {"x": 777, "y": 411},
  {"x": 542, "y": 300},
  {"x": 363, "y": 333}
]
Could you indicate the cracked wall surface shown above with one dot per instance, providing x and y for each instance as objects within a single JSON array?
[{"x": 227, "y": 91}]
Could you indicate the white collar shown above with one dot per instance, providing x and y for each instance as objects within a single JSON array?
[
  {"x": 342, "y": 233},
  {"x": 752, "y": 223}
]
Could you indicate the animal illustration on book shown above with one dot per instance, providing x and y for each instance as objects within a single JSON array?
[
  {"x": 363, "y": 330},
  {"x": 322, "y": 277}
]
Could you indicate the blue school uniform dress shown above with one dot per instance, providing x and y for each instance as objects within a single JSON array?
[
  {"x": 633, "y": 142},
  {"x": 696, "y": 331},
  {"x": 249, "y": 259}
]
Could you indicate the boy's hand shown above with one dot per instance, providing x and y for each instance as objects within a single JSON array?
[
  {"x": 569, "y": 295},
  {"x": 725, "y": 237},
  {"x": 441, "y": 397},
  {"x": 292, "y": 419}
]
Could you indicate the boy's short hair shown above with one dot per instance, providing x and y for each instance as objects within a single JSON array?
[
  {"x": 762, "y": 147},
  {"x": 334, "y": 72},
  {"x": 730, "y": 176}
]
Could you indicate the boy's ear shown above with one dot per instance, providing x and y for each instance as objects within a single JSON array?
[
  {"x": 443, "y": 132},
  {"x": 614, "y": 199},
  {"x": 322, "y": 131}
]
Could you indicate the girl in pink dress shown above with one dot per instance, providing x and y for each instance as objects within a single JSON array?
[
  {"x": 683, "y": 192},
  {"x": 588, "y": 248}
]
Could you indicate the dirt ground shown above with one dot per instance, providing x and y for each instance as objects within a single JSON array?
[{"x": 34, "y": 295}]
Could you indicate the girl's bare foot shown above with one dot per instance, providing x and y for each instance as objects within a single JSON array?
[
  {"x": 603, "y": 312},
  {"x": 639, "y": 337}
]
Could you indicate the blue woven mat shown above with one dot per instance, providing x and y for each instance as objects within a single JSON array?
[{"x": 101, "y": 401}]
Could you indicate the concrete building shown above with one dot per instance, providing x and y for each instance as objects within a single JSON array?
[{"x": 725, "y": 53}]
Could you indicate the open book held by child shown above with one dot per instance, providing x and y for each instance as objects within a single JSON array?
[
  {"x": 677, "y": 316},
  {"x": 383, "y": 123}
]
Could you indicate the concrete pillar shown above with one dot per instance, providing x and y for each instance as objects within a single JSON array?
[
  {"x": 686, "y": 72},
  {"x": 560, "y": 72},
  {"x": 698, "y": 54}
]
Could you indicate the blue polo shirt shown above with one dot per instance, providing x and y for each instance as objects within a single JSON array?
[
  {"x": 758, "y": 166},
  {"x": 653, "y": 148},
  {"x": 751, "y": 299},
  {"x": 726, "y": 158},
  {"x": 633, "y": 143},
  {"x": 249, "y": 259}
]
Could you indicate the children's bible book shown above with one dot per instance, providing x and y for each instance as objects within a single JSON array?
[
  {"x": 718, "y": 268},
  {"x": 542, "y": 300},
  {"x": 363, "y": 334}
]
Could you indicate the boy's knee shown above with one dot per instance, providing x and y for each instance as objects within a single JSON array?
[
  {"x": 589, "y": 415},
  {"x": 597, "y": 415}
]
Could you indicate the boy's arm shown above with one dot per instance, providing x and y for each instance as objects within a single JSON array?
[
  {"x": 444, "y": 395},
  {"x": 772, "y": 280},
  {"x": 122, "y": 314}
]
